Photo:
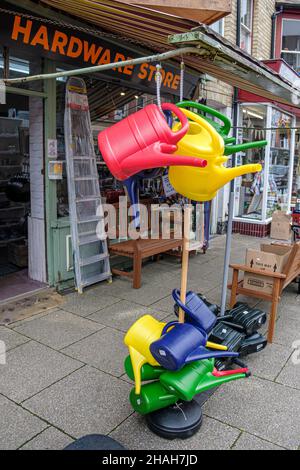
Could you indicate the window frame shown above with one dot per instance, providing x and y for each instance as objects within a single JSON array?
[
  {"x": 283, "y": 51},
  {"x": 246, "y": 29},
  {"x": 222, "y": 26}
]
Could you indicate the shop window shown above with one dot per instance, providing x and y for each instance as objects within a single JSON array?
[
  {"x": 1, "y": 65},
  {"x": 246, "y": 25},
  {"x": 291, "y": 43},
  {"x": 296, "y": 172},
  {"x": 17, "y": 67},
  {"x": 278, "y": 190},
  {"x": 249, "y": 188}
]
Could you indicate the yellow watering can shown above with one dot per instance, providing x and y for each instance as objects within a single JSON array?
[
  {"x": 139, "y": 337},
  {"x": 203, "y": 141}
]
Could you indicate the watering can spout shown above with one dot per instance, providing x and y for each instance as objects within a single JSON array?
[
  {"x": 158, "y": 155},
  {"x": 137, "y": 361},
  {"x": 232, "y": 173},
  {"x": 202, "y": 353}
]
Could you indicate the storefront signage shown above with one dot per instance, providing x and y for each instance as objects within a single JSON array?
[{"x": 80, "y": 50}]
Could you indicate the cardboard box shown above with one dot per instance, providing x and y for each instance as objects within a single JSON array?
[
  {"x": 281, "y": 226},
  {"x": 270, "y": 258}
]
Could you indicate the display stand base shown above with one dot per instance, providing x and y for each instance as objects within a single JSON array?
[
  {"x": 95, "y": 442},
  {"x": 179, "y": 421}
]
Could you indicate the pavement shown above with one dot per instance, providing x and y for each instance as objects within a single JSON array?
[{"x": 64, "y": 375}]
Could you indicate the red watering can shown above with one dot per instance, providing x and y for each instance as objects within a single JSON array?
[{"x": 144, "y": 140}]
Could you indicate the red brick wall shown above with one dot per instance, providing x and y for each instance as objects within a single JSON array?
[{"x": 253, "y": 230}]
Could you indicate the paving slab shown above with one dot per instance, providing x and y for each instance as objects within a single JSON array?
[
  {"x": 289, "y": 311},
  {"x": 165, "y": 305},
  {"x": 290, "y": 374},
  {"x": 135, "y": 435},
  {"x": 17, "y": 425},
  {"x": 86, "y": 402},
  {"x": 11, "y": 338},
  {"x": 287, "y": 331},
  {"x": 265, "y": 409},
  {"x": 58, "y": 329},
  {"x": 268, "y": 363},
  {"x": 87, "y": 303},
  {"x": 249, "y": 442},
  {"x": 104, "y": 350},
  {"x": 32, "y": 367},
  {"x": 123, "y": 314},
  {"x": 149, "y": 292},
  {"x": 50, "y": 439}
]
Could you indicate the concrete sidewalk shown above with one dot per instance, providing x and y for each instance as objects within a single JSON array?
[{"x": 64, "y": 376}]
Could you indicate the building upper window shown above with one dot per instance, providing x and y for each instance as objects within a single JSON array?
[
  {"x": 246, "y": 25},
  {"x": 218, "y": 27},
  {"x": 290, "y": 50}
]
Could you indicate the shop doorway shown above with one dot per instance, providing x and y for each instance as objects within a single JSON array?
[{"x": 17, "y": 187}]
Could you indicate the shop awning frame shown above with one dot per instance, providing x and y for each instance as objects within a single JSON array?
[
  {"x": 216, "y": 59},
  {"x": 231, "y": 65}
]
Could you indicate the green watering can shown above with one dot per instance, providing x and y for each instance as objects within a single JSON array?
[
  {"x": 222, "y": 129},
  {"x": 171, "y": 387}
]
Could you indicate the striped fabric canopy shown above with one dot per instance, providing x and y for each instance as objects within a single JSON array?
[
  {"x": 143, "y": 25},
  {"x": 151, "y": 29}
]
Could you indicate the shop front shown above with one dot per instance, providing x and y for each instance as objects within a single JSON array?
[
  {"x": 53, "y": 46},
  {"x": 34, "y": 117},
  {"x": 258, "y": 196}
]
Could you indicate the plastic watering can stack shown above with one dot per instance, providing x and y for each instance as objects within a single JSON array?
[
  {"x": 203, "y": 141},
  {"x": 144, "y": 140},
  {"x": 174, "y": 358},
  {"x": 146, "y": 331},
  {"x": 171, "y": 387}
]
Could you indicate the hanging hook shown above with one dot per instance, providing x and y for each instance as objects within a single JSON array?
[
  {"x": 182, "y": 67},
  {"x": 158, "y": 80}
]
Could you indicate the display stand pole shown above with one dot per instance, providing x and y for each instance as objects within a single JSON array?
[
  {"x": 184, "y": 419},
  {"x": 227, "y": 250},
  {"x": 185, "y": 257},
  {"x": 231, "y": 202}
]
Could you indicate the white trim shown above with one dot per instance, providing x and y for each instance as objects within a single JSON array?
[
  {"x": 289, "y": 52},
  {"x": 252, "y": 221},
  {"x": 267, "y": 163},
  {"x": 292, "y": 156}
]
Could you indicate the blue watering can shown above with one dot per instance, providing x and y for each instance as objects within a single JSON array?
[
  {"x": 196, "y": 311},
  {"x": 132, "y": 185},
  {"x": 183, "y": 344}
]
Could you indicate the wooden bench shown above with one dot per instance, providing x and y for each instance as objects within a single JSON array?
[
  {"x": 138, "y": 250},
  {"x": 281, "y": 281}
]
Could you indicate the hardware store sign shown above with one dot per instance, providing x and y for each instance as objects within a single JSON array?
[{"x": 83, "y": 50}]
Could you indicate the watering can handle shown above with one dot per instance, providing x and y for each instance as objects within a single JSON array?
[
  {"x": 182, "y": 118},
  {"x": 168, "y": 326},
  {"x": 173, "y": 323},
  {"x": 191, "y": 104},
  {"x": 176, "y": 297},
  {"x": 217, "y": 141}
]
